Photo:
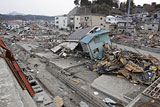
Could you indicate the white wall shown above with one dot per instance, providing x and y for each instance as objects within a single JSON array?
[
  {"x": 111, "y": 19},
  {"x": 56, "y": 22},
  {"x": 77, "y": 22},
  {"x": 61, "y": 22},
  {"x": 151, "y": 27}
]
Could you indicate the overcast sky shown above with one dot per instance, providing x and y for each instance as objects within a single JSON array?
[{"x": 45, "y": 7}]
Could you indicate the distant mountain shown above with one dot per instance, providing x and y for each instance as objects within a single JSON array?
[
  {"x": 25, "y": 17},
  {"x": 15, "y": 13}
]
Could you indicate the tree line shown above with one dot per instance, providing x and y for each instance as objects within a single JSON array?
[{"x": 112, "y": 3}]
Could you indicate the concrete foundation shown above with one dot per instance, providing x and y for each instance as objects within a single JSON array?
[{"x": 117, "y": 88}]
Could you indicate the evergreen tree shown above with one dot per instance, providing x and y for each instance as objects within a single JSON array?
[
  {"x": 109, "y": 2},
  {"x": 85, "y": 3},
  {"x": 76, "y": 2},
  {"x": 132, "y": 5}
]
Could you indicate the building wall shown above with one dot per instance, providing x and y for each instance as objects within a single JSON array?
[
  {"x": 56, "y": 22},
  {"x": 100, "y": 21},
  {"x": 111, "y": 19},
  {"x": 98, "y": 44},
  {"x": 61, "y": 22},
  {"x": 92, "y": 20},
  {"x": 85, "y": 20},
  {"x": 151, "y": 27},
  {"x": 76, "y": 22}
]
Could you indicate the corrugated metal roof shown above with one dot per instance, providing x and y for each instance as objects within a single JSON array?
[
  {"x": 79, "y": 34},
  {"x": 56, "y": 48},
  {"x": 67, "y": 45},
  {"x": 89, "y": 37}
]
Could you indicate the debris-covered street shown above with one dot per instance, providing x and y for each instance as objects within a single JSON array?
[{"x": 102, "y": 53}]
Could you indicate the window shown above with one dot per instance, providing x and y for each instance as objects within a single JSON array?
[
  {"x": 96, "y": 51},
  {"x": 86, "y": 18},
  {"x": 101, "y": 24},
  {"x": 101, "y": 18},
  {"x": 71, "y": 18},
  {"x": 153, "y": 25}
]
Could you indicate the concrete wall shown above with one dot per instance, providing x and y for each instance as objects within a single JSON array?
[
  {"x": 151, "y": 26},
  {"x": 56, "y": 22},
  {"x": 61, "y": 22},
  {"x": 92, "y": 20},
  {"x": 100, "y": 21},
  {"x": 76, "y": 22}
]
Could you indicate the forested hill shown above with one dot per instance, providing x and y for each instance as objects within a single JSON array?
[{"x": 25, "y": 17}]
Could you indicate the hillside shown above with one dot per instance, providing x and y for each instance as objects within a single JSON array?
[{"x": 25, "y": 17}]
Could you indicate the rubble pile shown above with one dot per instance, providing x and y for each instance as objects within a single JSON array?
[
  {"x": 35, "y": 30},
  {"x": 135, "y": 67}
]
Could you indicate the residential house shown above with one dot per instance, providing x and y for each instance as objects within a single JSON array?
[
  {"x": 61, "y": 22},
  {"x": 156, "y": 16},
  {"x": 15, "y": 24},
  {"x": 94, "y": 20},
  {"x": 139, "y": 17},
  {"x": 124, "y": 25},
  {"x": 152, "y": 26},
  {"x": 113, "y": 19},
  {"x": 92, "y": 40}
]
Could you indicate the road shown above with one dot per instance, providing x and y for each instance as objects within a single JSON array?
[{"x": 136, "y": 50}]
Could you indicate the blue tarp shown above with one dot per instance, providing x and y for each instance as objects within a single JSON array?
[{"x": 89, "y": 37}]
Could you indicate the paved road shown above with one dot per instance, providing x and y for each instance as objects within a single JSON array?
[{"x": 137, "y": 50}]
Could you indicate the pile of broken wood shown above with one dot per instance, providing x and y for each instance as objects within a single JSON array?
[{"x": 135, "y": 67}]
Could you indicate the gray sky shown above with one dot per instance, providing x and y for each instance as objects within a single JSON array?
[{"x": 45, "y": 7}]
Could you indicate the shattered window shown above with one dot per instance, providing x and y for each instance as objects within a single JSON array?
[{"x": 96, "y": 50}]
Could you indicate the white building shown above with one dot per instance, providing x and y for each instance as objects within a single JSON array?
[
  {"x": 116, "y": 19},
  {"x": 61, "y": 22},
  {"x": 77, "y": 22},
  {"x": 74, "y": 22},
  {"x": 14, "y": 24},
  {"x": 151, "y": 26}
]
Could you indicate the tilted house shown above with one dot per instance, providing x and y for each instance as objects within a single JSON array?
[{"x": 92, "y": 40}]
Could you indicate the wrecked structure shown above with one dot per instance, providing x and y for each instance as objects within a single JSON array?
[
  {"x": 57, "y": 65},
  {"x": 89, "y": 40},
  {"x": 135, "y": 67},
  {"x": 92, "y": 40}
]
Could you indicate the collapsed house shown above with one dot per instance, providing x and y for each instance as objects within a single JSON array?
[
  {"x": 133, "y": 66},
  {"x": 91, "y": 40}
]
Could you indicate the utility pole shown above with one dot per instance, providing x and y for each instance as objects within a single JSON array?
[{"x": 129, "y": 4}]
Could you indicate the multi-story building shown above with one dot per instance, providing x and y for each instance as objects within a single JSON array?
[
  {"x": 74, "y": 22},
  {"x": 94, "y": 20},
  {"x": 61, "y": 22}
]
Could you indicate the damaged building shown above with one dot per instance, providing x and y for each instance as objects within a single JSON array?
[{"x": 91, "y": 41}]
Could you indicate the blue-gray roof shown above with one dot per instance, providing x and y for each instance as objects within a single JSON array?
[
  {"x": 79, "y": 34},
  {"x": 89, "y": 37}
]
